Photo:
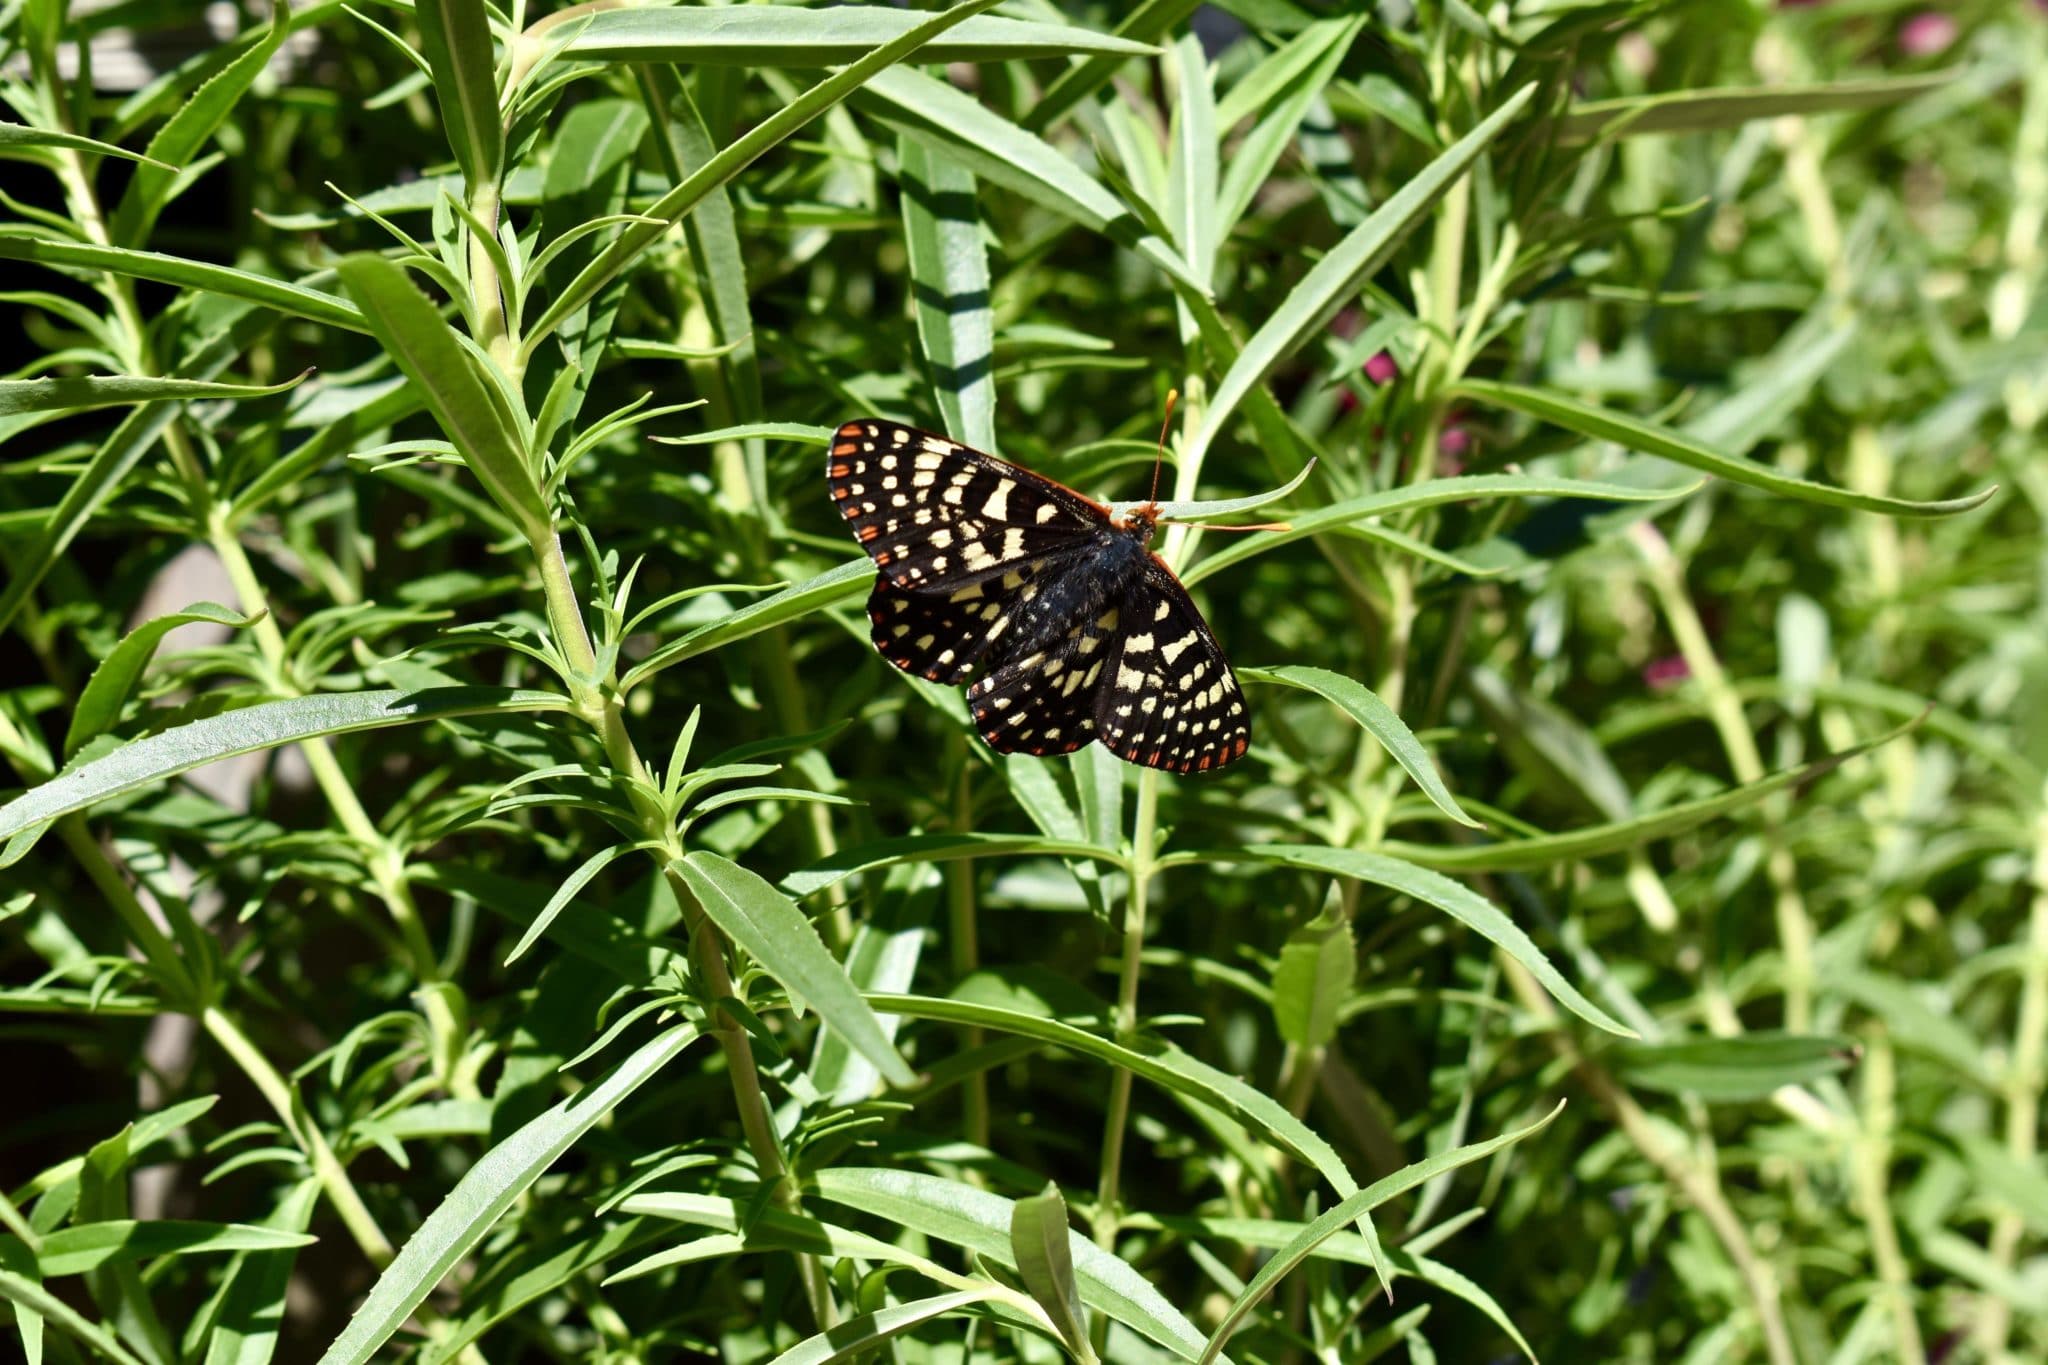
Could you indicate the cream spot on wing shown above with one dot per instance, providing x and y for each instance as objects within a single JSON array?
[
  {"x": 1178, "y": 647},
  {"x": 998, "y": 504},
  {"x": 1045, "y": 514},
  {"x": 1163, "y": 610}
]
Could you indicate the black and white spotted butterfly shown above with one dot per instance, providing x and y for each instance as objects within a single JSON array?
[{"x": 1079, "y": 632}]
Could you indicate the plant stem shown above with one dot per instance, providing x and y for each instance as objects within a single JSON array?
[
  {"x": 283, "y": 1101},
  {"x": 1693, "y": 1178},
  {"x": 1872, "y": 1161},
  {"x": 600, "y": 707},
  {"x": 387, "y": 868},
  {"x": 1135, "y": 908},
  {"x": 2022, "y": 1087},
  {"x": 1795, "y": 927},
  {"x": 963, "y": 938},
  {"x": 385, "y": 860}
]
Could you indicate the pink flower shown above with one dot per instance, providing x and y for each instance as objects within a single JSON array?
[
  {"x": 1381, "y": 369},
  {"x": 1666, "y": 673},
  {"x": 1926, "y": 34}
]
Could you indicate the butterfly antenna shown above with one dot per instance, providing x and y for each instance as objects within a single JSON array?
[{"x": 1172, "y": 397}]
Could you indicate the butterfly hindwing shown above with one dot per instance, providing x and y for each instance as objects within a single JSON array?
[
  {"x": 942, "y": 635},
  {"x": 934, "y": 514},
  {"x": 1045, "y": 702},
  {"x": 1168, "y": 698}
]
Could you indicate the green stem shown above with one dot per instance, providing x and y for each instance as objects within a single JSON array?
[
  {"x": 601, "y": 708},
  {"x": 385, "y": 860},
  {"x": 963, "y": 938},
  {"x": 2022, "y": 1087},
  {"x": 283, "y": 1101},
  {"x": 1143, "y": 838},
  {"x": 1694, "y": 1179},
  {"x": 1872, "y": 1162},
  {"x": 1724, "y": 707}
]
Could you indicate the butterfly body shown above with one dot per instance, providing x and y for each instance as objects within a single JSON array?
[{"x": 1076, "y": 630}]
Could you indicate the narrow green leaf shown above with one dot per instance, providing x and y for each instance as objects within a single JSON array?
[
  {"x": 772, "y": 37},
  {"x": 1334, "y": 281},
  {"x": 291, "y": 299},
  {"x": 1598, "y": 840},
  {"x": 993, "y": 149},
  {"x": 1187, "y": 509},
  {"x": 446, "y": 374},
  {"x": 1459, "y": 902},
  {"x": 455, "y": 36},
  {"x": 188, "y": 129},
  {"x": 1290, "y": 81},
  {"x": 1363, "y": 705},
  {"x": 827, "y": 589},
  {"x": 17, "y": 136},
  {"x": 1698, "y": 110},
  {"x": 950, "y": 291},
  {"x": 87, "y": 1246},
  {"x": 936, "y": 848},
  {"x": 1041, "y": 1245},
  {"x": 130, "y": 440},
  {"x": 25, "y": 1294},
  {"x": 103, "y": 391},
  {"x": 490, "y": 1187},
  {"x": 1312, "y": 982},
  {"x": 1747, "y": 1066},
  {"x": 774, "y": 431},
  {"x": 713, "y": 233},
  {"x": 854, "y": 1338},
  {"x": 252, "y": 1303},
  {"x": 776, "y": 128},
  {"x": 1334, "y": 1220},
  {"x": 185, "y": 747},
  {"x": 1432, "y": 493},
  {"x": 112, "y": 683},
  {"x": 1192, "y": 173},
  {"x": 980, "y": 1222},
  {"x": 1144, "y": 22},
  {"x": 1653, "y": 439},
  {"x": 1163, "y": 1065},
  {"x": 566, "y": 892},
  {"x": 768, "y": 925}
]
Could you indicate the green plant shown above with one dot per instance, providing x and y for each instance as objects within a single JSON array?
[{"x": 609, "y": 957}]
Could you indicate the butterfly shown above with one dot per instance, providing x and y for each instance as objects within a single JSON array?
[{"x": 1076, "y": 630}]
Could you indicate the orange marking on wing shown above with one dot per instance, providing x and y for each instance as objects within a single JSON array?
[
  {"x": 845, "y": 447},
  {"x": 839, "y": 471},
  {"x": 882, "y": 557},
  {"x": 868, "y": 532}
]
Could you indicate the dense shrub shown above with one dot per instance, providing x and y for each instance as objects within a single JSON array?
[{"x": 472, "y": 891}]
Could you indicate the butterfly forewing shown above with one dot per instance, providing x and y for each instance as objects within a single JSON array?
[
  {"x": 1078, "y": 633},
  {"x": 1168, "y": 698},
  {"x": 935, "y": 514}
]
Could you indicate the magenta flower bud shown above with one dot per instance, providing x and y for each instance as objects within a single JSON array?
[
  {"x": 1926, "y": 34},
  {"x": 1381, "y": 369},
  {"x": 1667, "y": 672},
  {"x": 1453, "y": 443}
]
